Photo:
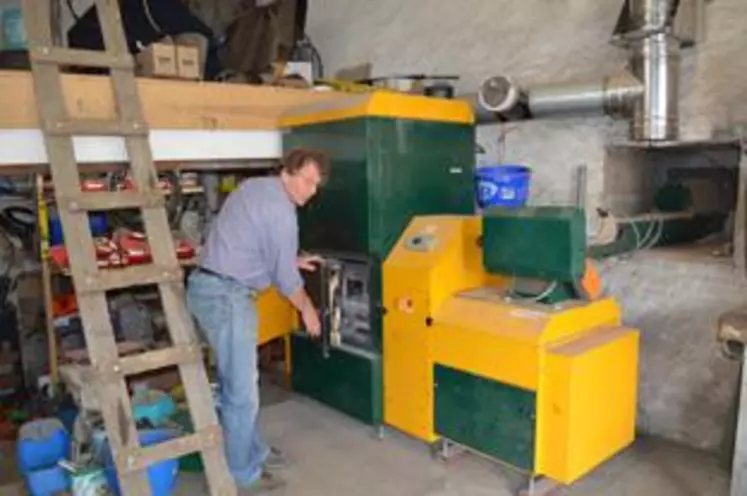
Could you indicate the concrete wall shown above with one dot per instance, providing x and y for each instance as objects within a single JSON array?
[{"x": 686, "y": 388}]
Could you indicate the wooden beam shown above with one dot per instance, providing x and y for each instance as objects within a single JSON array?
[{"x": 167, "y": 104}]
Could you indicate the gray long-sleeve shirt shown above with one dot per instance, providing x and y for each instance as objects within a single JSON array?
[{"x": 254, "y": 238}]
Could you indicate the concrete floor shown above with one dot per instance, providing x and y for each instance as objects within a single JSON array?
[{"x": 333, "y": 454}]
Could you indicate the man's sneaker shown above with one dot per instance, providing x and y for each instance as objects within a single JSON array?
[
  {"x": 266, "y": 483},
  {"x": 276, "y": 460}
]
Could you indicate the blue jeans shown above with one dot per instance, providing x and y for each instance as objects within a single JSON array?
[{"x": 227, "y": 316}]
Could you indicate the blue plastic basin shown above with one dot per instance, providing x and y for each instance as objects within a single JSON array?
[
  {"x": 502, "y": 185},
  {"x": 161, "y": 476}
]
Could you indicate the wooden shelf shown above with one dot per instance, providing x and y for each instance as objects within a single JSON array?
[{"x": 167, "y": 104}]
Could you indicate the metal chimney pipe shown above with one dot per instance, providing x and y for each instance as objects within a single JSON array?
[
  {"x": 651, "y": 15},
  {"x": 649, "y": 97},
  {"x": 655, "y": 60}
]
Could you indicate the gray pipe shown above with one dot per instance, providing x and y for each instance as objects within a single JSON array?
[
  {"x": 651, "y": 16},
  {"x": 655, "y": 60},
  {"x": 649, "y": 97},
  {"x": 612, "y": 96}
]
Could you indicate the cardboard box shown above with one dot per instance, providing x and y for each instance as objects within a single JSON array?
[
  {"x": 157, "y": 60},
  {"x": 188, "y": 62}
]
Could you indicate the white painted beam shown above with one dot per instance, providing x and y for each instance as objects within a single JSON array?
[{"x": 26, "y": 146}]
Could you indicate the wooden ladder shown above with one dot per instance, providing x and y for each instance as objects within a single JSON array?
[{"x": 107, "y": 372}]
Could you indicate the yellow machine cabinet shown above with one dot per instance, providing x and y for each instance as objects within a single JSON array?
[
  {"x": 547, "y": 388},
  {"x": 276, "y": 315}
]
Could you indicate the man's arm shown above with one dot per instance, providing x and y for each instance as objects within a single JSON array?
[
  {"x": 300, "y": 299},
  {"x": 288, "y": 279}
]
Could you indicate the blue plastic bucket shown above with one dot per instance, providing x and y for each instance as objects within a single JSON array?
[
  {"x": 48, "y": 481},
  {"x": 41, "y": 444},
  {"x": 502, "y": 185},
  {"x": 161, "y": 476}
]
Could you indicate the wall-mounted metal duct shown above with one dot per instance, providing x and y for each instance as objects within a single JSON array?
[
  {"x": 648, "y": 95},
  {"x": 613, "y": 96}
]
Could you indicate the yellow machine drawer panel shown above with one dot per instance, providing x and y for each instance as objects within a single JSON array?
[
  {"x": 587, "y": 402},
  {"x": 487, "y": 355}
]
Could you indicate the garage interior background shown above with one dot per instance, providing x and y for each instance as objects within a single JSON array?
[{"x": 688, "y": 388}]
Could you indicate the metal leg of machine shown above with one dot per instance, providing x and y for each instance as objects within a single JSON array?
[
  {"x": 541, "y": 486},
  {"x": 739, "y": 467}
]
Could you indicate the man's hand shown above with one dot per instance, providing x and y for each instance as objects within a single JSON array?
[
  {"x": 309, "y": 315},
  {"x": 311, "y": 321},
  {"x": 309, "y": 262}
]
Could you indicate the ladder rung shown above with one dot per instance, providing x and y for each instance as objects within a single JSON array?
[
  {"x": 133, "y": 459},
  {"x": 87, "y": 58},
  {"x": 96, "y": 127},
  {"x": 136, "y": 275},
  {"x": 149, "y": 360},
  {"x": 112, "y": 200}
]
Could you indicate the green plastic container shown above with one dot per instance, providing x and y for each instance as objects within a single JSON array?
[
  {"x": 13, "y": 30},
  {"x": 191, "y": 462}
]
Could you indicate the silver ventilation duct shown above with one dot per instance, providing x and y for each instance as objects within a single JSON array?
[{"x": 647, "y": 95}]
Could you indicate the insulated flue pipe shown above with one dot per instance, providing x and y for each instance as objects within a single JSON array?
[
  {"x": 613, "y": 96},
  {"x": 651, "y": 16},
  {"x": 648, "y": 97},
  {"x": 655, "y": 60}
]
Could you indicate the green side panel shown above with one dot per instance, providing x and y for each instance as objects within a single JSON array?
[
  {"x": 347, "y": 381},
  {"x": 647, "y": 234},
  {"x": 337, "y": 218},
  {"x": 384, "y": 172},
  {"x": 417, "y": 168},
  {"x": 535, "y": 242},
  {"x": 487, "y": 416}
]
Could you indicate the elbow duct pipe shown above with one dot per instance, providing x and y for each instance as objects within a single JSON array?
[{"x": 648, "y": 95}]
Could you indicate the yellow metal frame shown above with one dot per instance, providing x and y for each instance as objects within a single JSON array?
[
  {"x": 381, "y": 103},
  {"x": 442, "y": 307}
]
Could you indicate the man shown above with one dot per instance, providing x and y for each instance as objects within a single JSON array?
[{"x": 252, "y": 244}]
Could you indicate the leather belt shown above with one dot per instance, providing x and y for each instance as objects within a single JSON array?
[{"x": 252, "y": 292}]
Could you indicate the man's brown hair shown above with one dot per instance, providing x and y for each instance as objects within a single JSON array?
[{"x": 296, "y": 158}]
